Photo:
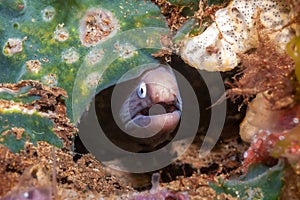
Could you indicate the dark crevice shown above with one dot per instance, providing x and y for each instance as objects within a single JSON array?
[{"x": 171, "y": 172}]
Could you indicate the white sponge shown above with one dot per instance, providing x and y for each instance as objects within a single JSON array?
[{"x": 234, "y": 32}]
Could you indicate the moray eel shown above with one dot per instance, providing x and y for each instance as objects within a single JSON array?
[{"x": 153, "y": 109}]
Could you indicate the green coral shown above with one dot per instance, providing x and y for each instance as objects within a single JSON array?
[
  {"x": 35, "y": 24},
  {"x": 20, "y": 96},
  {"x": 33, "y": 128},
  {"x": 293, "y": 49},
  {"x": 261, "y": 182},
  {"x": 187, "y": 7},
  {"x": 27, "y": 115}
]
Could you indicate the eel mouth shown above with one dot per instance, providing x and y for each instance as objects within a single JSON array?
[
  {"x": 161, "y": 117},
  {"x": 168, "y": 107}
]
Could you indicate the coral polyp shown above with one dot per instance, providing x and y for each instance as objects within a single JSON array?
[
  {"x": 48, "y": 13},
  {"x": 50, "y": 80},
  {"x": 33, "y": 66},
  {"x": 69, "y": 56},
  {"x": 96, "y": 26},
  {"x": 12, "y": 46},
  {"x": 61, "y": 34},
  {"x": 94, "y": 56},
  {"x": 125, "y": 50},
  {"x": 92, "y": 80}
]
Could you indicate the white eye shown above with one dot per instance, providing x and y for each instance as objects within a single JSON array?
[{"x": 142, "y": 90}]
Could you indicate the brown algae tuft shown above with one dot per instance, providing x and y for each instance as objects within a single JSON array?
[
  {"x": 96, "y": 26},
  {"x": 267, "y": 70}
]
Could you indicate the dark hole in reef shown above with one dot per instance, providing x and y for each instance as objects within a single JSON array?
[
  {"x": 34, "y": 173},
  {"x": 64, "y": 180},
  {"x": 77, "y": 156},
  {"x": 210, "y": 170},
  {"x": 35, "y": 153},
  {"x": 111, "y": 129},
  {"x": 171, "y": 172},
  {"x": 16, "y": 26},
  {"x": 231, "y": 127},
  {"x": 12, "y": 169}
]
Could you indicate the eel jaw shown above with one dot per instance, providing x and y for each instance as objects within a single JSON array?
[{"x": 147, "y": 123}]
